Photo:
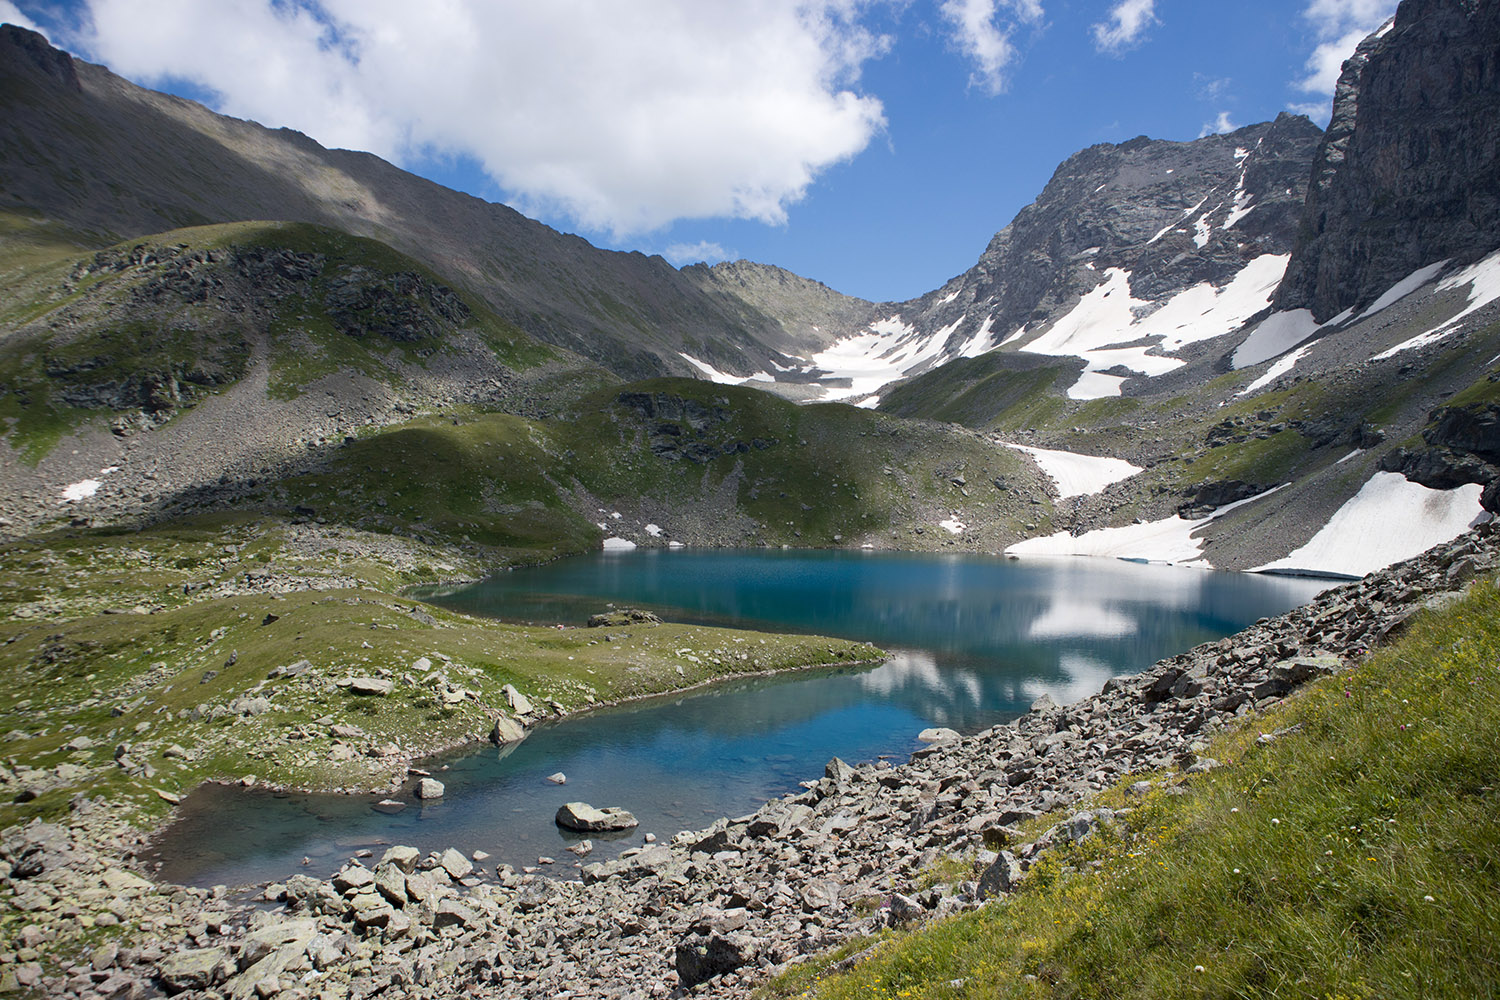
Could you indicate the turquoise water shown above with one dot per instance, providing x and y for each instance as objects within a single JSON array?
[{"x": 973, "y": 641}]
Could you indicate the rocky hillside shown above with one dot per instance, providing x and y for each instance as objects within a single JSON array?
[{"x": 87, "y": 150}]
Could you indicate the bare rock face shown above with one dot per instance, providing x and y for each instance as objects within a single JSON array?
[{"x": 1409, "y": 171}]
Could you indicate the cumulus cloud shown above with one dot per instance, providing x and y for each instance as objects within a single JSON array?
[
  {"x": 1218, "y": 126},
  {"x": 1339, "y": 25},
  {"x": 10, "y": 14},
  {"x": 1127, "y": 23},
  {"x": 621, "y": 117},
  {"x": 703, "y": 252},
  {"x": 982, "y": 31}
]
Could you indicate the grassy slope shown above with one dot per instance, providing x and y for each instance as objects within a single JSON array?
[
  {"x": 511, "y": 483},
  {"x": 1354, "y": 858},
  {"x": 165, "y": 672},
  {"x": 108, "y": 326}
]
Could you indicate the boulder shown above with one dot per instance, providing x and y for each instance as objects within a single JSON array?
[
  {"x": 402, "y": 857},
  {"x": 430, "y": 788},
  {"x": 518, "y": 702},
  {"x": 700, "y": 958},
  {"x": 584, "y": 817},
  {"x": 371, "y": 686},
  {"x": 455, "y": 864},
  {"x": 1002, "y": 876},
  {"x": 937, "y": 734},
  {"x": 507, "y": 730},
  {"x": 194, "y": 969}
]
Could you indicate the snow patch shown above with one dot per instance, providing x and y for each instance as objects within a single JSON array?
[
  {"x": 1077, "y": 475},
  {"x": 980, "y": 342},
  {"x": 1403, "y": 288},
  {"x": 1169, "y": 540},
  {"x": 953, "y": 526},
  {"x": 1483, "y": 280},
  {"x": 81, "y": 490},
  {"x": 1359, "y": 539},
  {"x": 1275, "y": 372},
  {"x": 868, "y": 404},
  {"x": 1177, "y": 221},
  {"x": 618, "y": 545},
  {"x": 1094, "y": 385},
  {"x": 887, "y": 350},
  {"x": 654, "y": 530},
  {"x": 1203, "y": 229},
  {"x": 710, "y": 372},
  {"x": 1277, "y": 334},
  {"x": 674, "y": 544},
  {"x": 948, "y": 298}
]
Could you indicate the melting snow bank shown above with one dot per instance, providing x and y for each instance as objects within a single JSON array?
[
  {"x": 1079, "y": 475},
  {"x": 618, "y": 545},
  {"x": 1169, "y": 540},
  {"x": 1483, "y": 280},
  {"x": 1388, "y": 520}
]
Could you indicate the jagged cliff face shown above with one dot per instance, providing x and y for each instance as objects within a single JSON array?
[
  {"x": 1409, "y": 173},
  {"x": 111, "y": 161}
]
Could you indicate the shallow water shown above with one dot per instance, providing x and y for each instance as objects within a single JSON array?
[{"x": 974, "y": 640}]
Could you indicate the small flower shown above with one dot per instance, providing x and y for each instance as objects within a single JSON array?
[
  {"x": 1428, "y": 899},
  {"x": 1275, "y": 822},
  {"x": 1198, "y": 968}
]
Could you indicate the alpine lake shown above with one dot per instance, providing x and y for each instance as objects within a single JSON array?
[{"x": 973, "y": 640}]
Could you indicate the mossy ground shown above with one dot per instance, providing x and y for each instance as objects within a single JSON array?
[
  {"x": 167, "y": 666},
  {"x": 1353, "y": 857}
]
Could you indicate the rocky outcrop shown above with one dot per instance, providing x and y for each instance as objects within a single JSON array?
[
  {"x": 1409, "y": 171},
  {"x": 716, "y": 908}
]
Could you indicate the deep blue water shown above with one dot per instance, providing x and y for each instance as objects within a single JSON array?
[{"x": 973, "y": 639}]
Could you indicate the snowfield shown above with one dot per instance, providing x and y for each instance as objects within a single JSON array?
[
  {"x": 1388, "y": 520},
  {"x": 1078, "y": 475}
]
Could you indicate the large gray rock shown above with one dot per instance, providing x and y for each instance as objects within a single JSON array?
[
  {"x": 194, "y": 969},
  {"x": 1002, "y": 876},
  {"x": 518, "y": 702},
  {"x": 507, "y": 730},
  {"x": 430, "y": 788},
  {"x": 584, "y": 817},
  {"x": 700, "y": 957},
  {"x": 370, "y": 685}
]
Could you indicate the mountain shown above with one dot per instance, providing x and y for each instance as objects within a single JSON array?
[
  {"x": 1408, "y": 174},
  {"x": 107, "y": 160}
]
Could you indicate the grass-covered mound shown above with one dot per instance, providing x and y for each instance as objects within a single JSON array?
[{"x": 1355, "y": 855}]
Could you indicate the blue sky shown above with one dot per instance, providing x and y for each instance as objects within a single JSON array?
[{"x": 874, "y": 145}]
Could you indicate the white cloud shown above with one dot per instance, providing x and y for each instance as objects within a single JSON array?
[
  {"x": 978, "y": 34},
  {"x": 1339, "y": 25},
  {"x": 1128, "y": 21},
  {"x": 10, "y": 14},
  {"x": 692, "y": 253},
  {"x": 1218, "y": 126},
  {"x": 622, "y": 117}
]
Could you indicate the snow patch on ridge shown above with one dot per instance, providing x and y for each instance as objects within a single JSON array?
[
  {"x": 1107, "y": 316},
  {"x": 1359, "y": 539},
  {"x": 1078, "y": 475}
]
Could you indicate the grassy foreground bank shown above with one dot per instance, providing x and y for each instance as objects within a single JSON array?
[{"x": 1355, "y": 854}]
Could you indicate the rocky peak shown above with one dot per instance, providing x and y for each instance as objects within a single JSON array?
[
  {"x": 1409, "y": 171},
  {"x": 19, "y": 44}
]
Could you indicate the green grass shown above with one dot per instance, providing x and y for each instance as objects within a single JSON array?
[
  {"x": 1000, "y": 391},
  {"x": 70, "y": 328},
  {"x": 103, "y": 642},
  {"x": 1356, "y": 858}
]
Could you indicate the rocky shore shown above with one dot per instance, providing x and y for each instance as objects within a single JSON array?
[{"x": 722, "y": 906}]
